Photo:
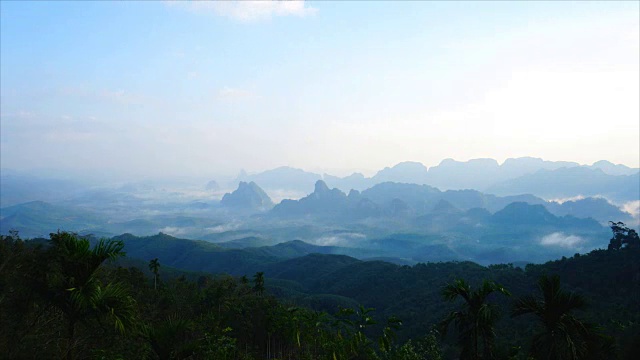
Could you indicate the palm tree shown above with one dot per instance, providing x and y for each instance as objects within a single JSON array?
[
  {"x": 74, "y": 288},
  {"x": 258, "y": 282},
  {"x": 169, "y": 339},
  {"x": 154, "y": 265},
  {"x": 563, "y": 336},
  {"x": 475, "y": 321}
]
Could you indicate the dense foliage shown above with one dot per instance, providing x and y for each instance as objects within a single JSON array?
[{"x": 63, "y": 298}]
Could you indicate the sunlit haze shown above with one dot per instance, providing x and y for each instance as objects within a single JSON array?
[{"x": 181, "y": 88}]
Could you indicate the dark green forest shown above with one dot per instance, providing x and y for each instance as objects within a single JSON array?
[{"x": 71, "y": 297}]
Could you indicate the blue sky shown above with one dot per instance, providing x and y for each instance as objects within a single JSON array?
[{"x": 162, "y": 88}]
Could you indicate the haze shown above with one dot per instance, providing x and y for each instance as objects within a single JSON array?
[{"x": 182, "y": 88}]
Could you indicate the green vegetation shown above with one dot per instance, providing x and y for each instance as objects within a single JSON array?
[
  {"x": 64, "y": 298},
  {"x": 563, "y": 336},
  {"x": 475, "y": 323}
]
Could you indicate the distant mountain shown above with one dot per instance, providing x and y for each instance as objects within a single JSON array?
[
  {"x": 39, "y": 218},
  {"x": 16, "y": 188},
  {"x": 422, "y": 198},
  {"x": 469, "y": 199},
  {"x": 212, "y": 186},
  {"x": 523, "y": 213},
  {"x": 404, "y": 172},
  {"x": 571, "y": 182},
  {"x": 247, "y": 242},
  {"x": 597, "y": 208},
  {"x": 283, "y": 178},
  {"x": 613, "y": 169},
  {"x": 405, "y": 201},
  {"x": 355, "y": 181},
  {"x": 445, "y": 207},
  {"x": 297, "y": 248},
  {"x": 418, "y": 197},
  {"x": 519, "y": 214},
  {"x": 473, "y": 174},
  {"x": 516, "y": 167},
  {"x": 478, "y": 174},
  {"x": 322, "y": 201},
  {"x": 248, "y": 196},
  {"x": 194, "y": 255}
]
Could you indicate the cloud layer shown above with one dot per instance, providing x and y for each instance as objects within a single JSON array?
[{"x": 562, "y": 240}]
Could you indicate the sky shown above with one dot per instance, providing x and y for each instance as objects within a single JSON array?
[{"x": 201, "y": 88}]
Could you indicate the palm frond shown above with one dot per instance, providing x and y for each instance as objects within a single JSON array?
[
  {"x": 108, "y": 249},
  {"x": 114, "y": 301},
  {"x": 458, "y": 288},
  {"x": 527, "y": 304}
]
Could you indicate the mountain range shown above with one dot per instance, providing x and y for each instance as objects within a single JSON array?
[{"x": 509, "y": 178}]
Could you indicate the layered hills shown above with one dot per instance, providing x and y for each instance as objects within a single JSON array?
[
  {"x": 401, "y": 217},
  {"x": 479, "y": 174}
]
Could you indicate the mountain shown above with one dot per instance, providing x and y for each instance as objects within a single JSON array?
[
  {"x": 39, "y": 218},
  {"x": 246, "y": 242},
  {"x": 355, "y": 181},
  {"x": 416, "y": 196},
  {"x": 212, "y": 186},
  {"x": 571, "y": 182},
  {"x": 422, "y": 198},
  {"x": 283, "y": 178},
  {"x": 322, "y": 201},
  {"x": 436, "y": 210},
  {"x": 478, "y": 174},
  {"x": 297, "y": 248},
  {"x": 517, "y": 214},
  {"x": 597, "y": 208},
  {"x": 248, "y": 196},
  {"x": 312, "y": 267},
  {"x": 614, "y": 169},
  {"x": 404, "y": 172},
  {"x": 473, "y": 174},
  {"x": 194, "y": 255},
  {"x": 17, "y": 188},
  {"x": 516, "y": 167},
  {"x": 469, "y": 199},
  {"x": 523, "y": 213}
]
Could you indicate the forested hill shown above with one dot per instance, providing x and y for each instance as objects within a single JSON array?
[
  {"x": 609, "y": 280},
  {"x": 48, "y": 297},
  {"x": 298, "y": 272}
]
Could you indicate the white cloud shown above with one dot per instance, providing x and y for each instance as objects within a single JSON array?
[
  {"x": 561, "y": 240},
  {"x": 248, "y": 11},
  {"x": 223, "y": 228},
  {"x": 633, "y": 208},
  {"x": 565, "y": 199},
  {"x": 343, "y": 239},
  {"x": 174, "y": 231}
]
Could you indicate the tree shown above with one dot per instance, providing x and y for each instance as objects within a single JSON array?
[
  {"x": 258, "y": 282},
  {"x": 154, "y": 265},
  {"x": 475, "y": 321},
  {"x": 75, "y": 290},
  {"x": 563, "y": 335},
  {"x": 170, "y": 338},
  {"x": 623, "y": 237}
]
